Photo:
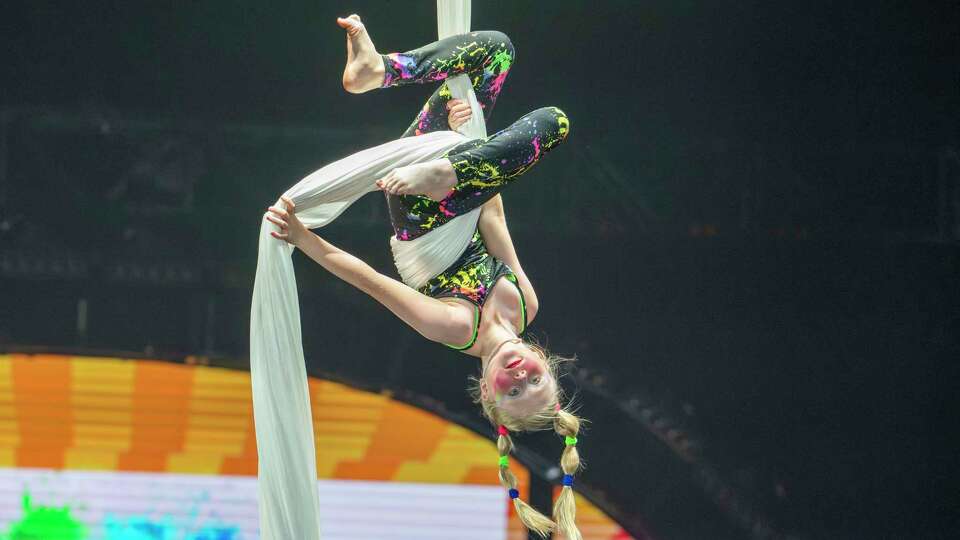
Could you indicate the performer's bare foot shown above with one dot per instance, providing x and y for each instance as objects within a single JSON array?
[
  {"x": 364, "y": 70},
  {"x": 433, "y": 179}
]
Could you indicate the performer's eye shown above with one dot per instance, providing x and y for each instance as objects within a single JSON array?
[
  {"x": 514, "y": 392},
  {"x": 535, "y": 380}
]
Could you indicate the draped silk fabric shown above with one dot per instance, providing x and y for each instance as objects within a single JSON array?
[
  {"x": 288, "y": 503},
  {"x": 420, "y": 259}
]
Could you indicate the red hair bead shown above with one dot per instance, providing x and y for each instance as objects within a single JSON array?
[{"x": 502, "y": 430}]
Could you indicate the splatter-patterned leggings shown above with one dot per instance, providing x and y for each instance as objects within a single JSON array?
[{"x": 483, "y": 166}]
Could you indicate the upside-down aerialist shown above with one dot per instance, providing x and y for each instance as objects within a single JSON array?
[{"x": 468, "y": 306}]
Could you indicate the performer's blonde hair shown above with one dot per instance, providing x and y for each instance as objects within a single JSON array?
[{"x": 566, "y": 424}]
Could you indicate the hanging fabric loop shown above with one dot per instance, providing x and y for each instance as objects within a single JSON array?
[{"x": 288, "y": 501}]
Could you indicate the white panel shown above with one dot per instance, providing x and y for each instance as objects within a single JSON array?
[{"x": 148, "y": 506}]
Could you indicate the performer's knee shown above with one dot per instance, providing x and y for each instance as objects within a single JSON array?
[
  {"x": 554, "y": 122},
  {"x": 498, "y": 42},
  {"x": 562, "y": 122}
]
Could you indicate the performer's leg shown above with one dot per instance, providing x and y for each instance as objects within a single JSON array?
[
  {"x": 485, "y": 56},
  {"x": 483, "y": 167}
]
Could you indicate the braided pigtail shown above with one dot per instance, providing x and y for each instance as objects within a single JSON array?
[
  {"x": 532, "y": 519},
  {"x": 565, "y": 509}
]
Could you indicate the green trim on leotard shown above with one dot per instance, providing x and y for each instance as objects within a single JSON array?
[
  {"x": 512, "y": 278},
  {"x": 476, "y": 330}
]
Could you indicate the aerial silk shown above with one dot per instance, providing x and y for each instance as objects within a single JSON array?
[{"x": 288, "y": 502}]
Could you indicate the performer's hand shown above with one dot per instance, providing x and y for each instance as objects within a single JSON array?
[
  {"x": 459, "y": 113},
  {"x": 291, "y": 229}
]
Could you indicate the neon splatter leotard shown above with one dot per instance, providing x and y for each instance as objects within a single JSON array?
[{"x": 471, "y": 278}]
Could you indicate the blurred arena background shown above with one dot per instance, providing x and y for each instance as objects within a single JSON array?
[{"x": 751, "y": 242}]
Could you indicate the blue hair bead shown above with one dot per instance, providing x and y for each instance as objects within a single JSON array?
[
  {"x": 568, "y": 480},
  {"x": 514, "y": 494}
]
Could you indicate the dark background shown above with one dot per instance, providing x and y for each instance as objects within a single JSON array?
[{"x": 751, "y": 239}]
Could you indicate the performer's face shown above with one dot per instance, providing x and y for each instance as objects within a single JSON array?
[{"x": 518, "y": 380}]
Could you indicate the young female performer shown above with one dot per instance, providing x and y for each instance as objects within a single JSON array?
[{"x": 463, "y": 307}]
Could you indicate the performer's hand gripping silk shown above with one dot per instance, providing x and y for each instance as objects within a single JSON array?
[{"x": 481, "y": 304}]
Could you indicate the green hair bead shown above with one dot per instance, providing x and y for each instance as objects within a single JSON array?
[
  {"x": 571, "y": 441},
  {"x": 504, "y": 461}
]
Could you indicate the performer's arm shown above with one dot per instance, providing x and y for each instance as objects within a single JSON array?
[
  {"x": 493, "y": 227},
  {"x": 433, "y": 319}
]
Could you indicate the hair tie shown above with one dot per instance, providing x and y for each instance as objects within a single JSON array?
[
  {"x": 514, "y": 494},
  {"x": 504, "y": 461},
  {"x": 502, "y": 430},
  {"x": 557, "y": 407},
  {"x": 568, "y": 480},
  {"x": 571, "y": 441}
]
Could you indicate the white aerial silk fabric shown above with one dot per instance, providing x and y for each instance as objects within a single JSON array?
[
  {"x": 420, "y": 259},
  {"x": 287, "y": 497}
]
